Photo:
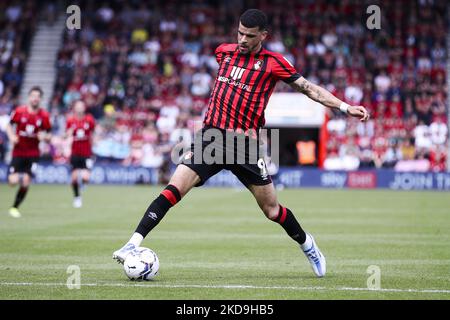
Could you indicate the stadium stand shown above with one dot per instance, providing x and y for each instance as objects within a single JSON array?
[
  {"x": 17, "y": 22},
  {"x": 146, "y": 71}
]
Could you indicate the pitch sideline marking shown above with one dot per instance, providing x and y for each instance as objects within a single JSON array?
[{"x": 130, "y": 285}]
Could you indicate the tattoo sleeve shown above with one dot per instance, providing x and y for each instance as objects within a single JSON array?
[{"x": 316, "y": 93}]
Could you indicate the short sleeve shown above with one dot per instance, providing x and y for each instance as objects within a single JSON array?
[
  {"x": 219, "y": 53},
  {"x": 282, "y": 69},
  {"x": 46, "y": 122}
]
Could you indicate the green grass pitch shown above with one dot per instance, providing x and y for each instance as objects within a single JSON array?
[{"x": 216, "y": 244}]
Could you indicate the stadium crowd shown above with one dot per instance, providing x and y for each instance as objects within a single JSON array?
[
  {"x": 145, "y": 71},
  {"x": 17, "y": 21}
]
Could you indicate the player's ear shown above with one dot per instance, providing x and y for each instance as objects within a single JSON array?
[{"x": 264, "y": 34}]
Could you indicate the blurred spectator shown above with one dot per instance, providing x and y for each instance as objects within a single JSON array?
[
  {"x": 422, "y": 136},
  {"x": 392, "y": 155},
  {"x": 145, "y": 68},
  {"x": 201, "y": 83},
  {"x": 438, "y": 158},
  {"x": 367, "y": 160},
  {"x": 13, "y": 12},
  {"x": 438, "y": 131}
]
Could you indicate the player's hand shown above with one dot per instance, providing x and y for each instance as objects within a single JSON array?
[
  {"x": 359, "y": 112},
  {"x": 14, "y": 139}
]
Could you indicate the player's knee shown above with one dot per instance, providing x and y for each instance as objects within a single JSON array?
[
  {"x": 26, "y": 181},
  {"x": 184, "y": 179},
  {"x": 271, "y": 210},
  {"x": 85, "y": 177},
  {"x": 13, "y": 181}
]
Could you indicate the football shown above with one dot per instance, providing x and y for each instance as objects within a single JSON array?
[{"x": 141, "y": 264}]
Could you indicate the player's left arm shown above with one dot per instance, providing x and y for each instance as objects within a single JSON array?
[
  {"x": 327, "y": 99},
  {"x": 45, "y": 134}
]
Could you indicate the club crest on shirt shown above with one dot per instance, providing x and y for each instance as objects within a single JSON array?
[
  {"x": 257, "y": 64},
  {"x": 227, "y": 59},
  {"x": 188, "y": 155},
  {"x": 38, "y": 122}
]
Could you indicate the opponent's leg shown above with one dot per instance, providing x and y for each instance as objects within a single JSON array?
[
  {"x": 266, "y": 198},
  {"x": 183, "y": 180}
]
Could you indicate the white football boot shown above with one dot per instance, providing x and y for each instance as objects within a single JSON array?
[
  {"x": 316, "y": 258},
  {"x": 122, "y": 253},
  {"x": 77, "y": 202},
  {"x": 14, "y": 212}
]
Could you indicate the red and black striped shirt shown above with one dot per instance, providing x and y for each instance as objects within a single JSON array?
[
  {"x": 243, "y": 87},
  {"x": 28, "y": 124},
  {"x": 82, "y": 130}
]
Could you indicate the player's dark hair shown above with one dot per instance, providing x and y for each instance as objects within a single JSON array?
[
  {"x": 36, "y": 88},
  {"x": 254, "y": 18}
]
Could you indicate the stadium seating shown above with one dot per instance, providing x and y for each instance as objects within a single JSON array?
[
  {"x": 17, "y": 21},
  {"x": 145, "y": 70}
]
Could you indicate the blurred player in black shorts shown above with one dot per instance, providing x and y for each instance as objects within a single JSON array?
[
  {"x": 79, "y": 128},
  {"x": 245, "y": 81},
  {"x": 32, "y": 125}
]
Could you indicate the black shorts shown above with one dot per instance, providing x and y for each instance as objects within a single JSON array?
[
  {"x": 249, "y": 167},
  {"x": 78, "y": 162},
  {"x": 23, "y": 165}
]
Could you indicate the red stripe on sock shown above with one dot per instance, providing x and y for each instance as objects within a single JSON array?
[
  {"x": 283, "y": 215},
  {"x": 169, "y": 196},
  {"x": 175, "y": 189}
]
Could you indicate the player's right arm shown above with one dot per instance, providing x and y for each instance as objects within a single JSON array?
[
  {"x": 12, "y": 136},
  {"x": 10, "y": 132}
]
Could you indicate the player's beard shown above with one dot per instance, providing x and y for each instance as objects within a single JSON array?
[
  {"x": 248, "y": 49},
  {"x": 34, "y": 105},
  {"x": 241, "y": 48}
]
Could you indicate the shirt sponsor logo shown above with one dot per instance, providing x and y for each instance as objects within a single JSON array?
[
  {"x": 237, "y": 72},
  {"x": 235, "y": 75},
  {"x": 232, "y": 82}
]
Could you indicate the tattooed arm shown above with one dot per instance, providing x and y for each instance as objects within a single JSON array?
[{"x": 326, "y": 98}]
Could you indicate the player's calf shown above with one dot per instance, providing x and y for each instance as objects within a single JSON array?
[
  {"x": 85, "y": 176},
  {"x": 158, "y": 209},
  {"x": 153, "y": 215},
  {"x": 287, "y": 220}
]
